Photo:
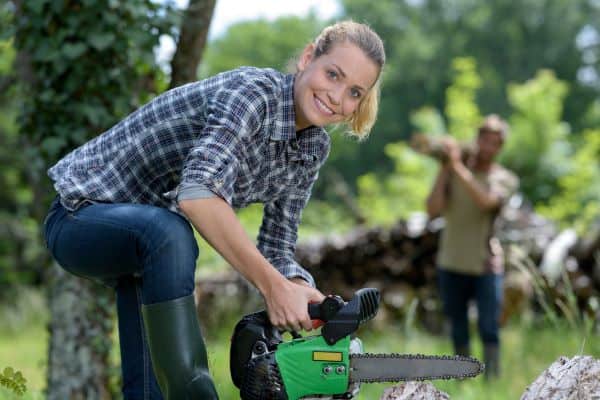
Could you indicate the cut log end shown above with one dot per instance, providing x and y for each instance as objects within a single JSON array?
[
  {"x": 567, "y": 378},
  {"x": 414, "y": 391}
]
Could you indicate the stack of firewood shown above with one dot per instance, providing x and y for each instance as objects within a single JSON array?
[{"x": 400, "y": 261}]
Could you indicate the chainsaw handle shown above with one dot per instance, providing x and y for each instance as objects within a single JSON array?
[
  {"x": 322, "y": 312},
  {"x": 314, "y": 313}
]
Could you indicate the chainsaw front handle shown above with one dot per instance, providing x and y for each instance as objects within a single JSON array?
[{"x": 342, "y": 318}]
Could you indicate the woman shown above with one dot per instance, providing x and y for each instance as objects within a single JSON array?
[{"x": 126, "y": 199}]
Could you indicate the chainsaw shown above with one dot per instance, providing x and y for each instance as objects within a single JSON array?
[{"x": 331, "y": 364}]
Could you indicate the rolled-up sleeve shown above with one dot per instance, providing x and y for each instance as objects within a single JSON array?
[
  {"x": 233, "y": 113},
  {"x": 279, "y": 231}
]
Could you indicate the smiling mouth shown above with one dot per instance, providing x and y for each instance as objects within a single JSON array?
[{"x": 323, "y": 108}]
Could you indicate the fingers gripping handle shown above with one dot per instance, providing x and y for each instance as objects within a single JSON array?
[{"x": 322, "y": 312}]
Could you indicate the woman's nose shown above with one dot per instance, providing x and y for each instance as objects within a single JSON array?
[{"x": 335, "y": 96}]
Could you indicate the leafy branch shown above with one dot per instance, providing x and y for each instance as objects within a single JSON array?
[{"x": 13, "y": 380}]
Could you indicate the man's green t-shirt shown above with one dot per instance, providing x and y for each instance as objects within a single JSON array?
[{"x": 467, "y": 243}]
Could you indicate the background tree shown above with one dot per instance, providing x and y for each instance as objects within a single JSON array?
[
  {"x": 260, "y": 43},
  {"x": 82, "y": 67},
  {"x": 510, "y": 41},
  {"x": 538, "y": 146},
  {"x": 191, "y": 41}
]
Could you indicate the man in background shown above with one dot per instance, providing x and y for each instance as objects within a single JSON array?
[{"x": 469, "y": 191}]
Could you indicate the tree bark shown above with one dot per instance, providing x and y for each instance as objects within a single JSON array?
[
  {"x": 81, "y": 320},
  {"x": 575, "y": 378},
  {"x": 82, "y": 312},
  {"x": 414, "y": 391},
  {"x": 192, "y": 39},
  {"x": 80, "y": 328}
]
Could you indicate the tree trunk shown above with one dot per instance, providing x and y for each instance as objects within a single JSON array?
[
  {"x": 82, "y": 312},
  {"x": 80, "y": 329},
  {"x": 192, "y": 38}
]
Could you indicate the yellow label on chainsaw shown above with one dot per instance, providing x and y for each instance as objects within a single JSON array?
[{"x": 327, "y": 356}]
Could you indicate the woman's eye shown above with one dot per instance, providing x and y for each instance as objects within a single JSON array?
[
  {"x": 355, "y": 93},
  {"x": 332, "y": 74}
]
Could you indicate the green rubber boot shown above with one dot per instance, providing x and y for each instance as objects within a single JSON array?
[{"x": 177, "y": 350}]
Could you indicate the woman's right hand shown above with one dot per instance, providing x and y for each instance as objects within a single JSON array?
[{"x": 287, "y": 305}]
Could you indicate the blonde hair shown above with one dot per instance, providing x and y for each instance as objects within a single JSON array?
[{"x": 362, "y": 36}]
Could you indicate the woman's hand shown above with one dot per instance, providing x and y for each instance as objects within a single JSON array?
[{"x": 287, "y": 304}]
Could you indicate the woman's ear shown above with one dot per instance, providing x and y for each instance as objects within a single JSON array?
[{"x": 306, "y": 57}]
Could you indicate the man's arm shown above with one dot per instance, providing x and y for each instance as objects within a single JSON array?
[
  {"x": 286, "y": 301},
  {"x": 436, "y": 201},
  {"x": 484, "y": 199}
]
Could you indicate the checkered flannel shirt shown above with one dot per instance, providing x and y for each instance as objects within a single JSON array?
[{"x": 233, "y": 134}]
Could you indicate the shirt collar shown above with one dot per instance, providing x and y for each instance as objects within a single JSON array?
[
  {"x": 304, "y": 145},
  {"x": 285, "y": 124}
]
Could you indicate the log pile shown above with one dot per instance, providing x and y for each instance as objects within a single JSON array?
[{"x": 400, "y": 261}]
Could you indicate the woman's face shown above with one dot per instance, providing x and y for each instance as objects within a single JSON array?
[{"x": 328, "y": 89}]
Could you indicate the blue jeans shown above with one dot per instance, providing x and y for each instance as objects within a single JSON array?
[
  {"x": 148, "y": 254},
  {"x": 456, "y": 290}
]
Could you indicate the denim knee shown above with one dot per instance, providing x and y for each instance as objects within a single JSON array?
[{"x": 170, "y": 252}]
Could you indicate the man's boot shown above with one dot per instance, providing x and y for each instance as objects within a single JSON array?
[
  {"x": 177, "y": 350},
  {"x": 491, "y": 357},
  {"x": 462, "y": 350}
]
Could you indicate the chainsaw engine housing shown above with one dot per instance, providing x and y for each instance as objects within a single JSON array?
[{"x": 252, "y": 359}]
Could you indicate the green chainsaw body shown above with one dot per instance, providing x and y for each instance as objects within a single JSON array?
[
  {"x": 331, "y": 364},
  {"x": 310, "y": 366},
  {"x": 265, "y": 367}
]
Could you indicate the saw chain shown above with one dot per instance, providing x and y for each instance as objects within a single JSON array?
[{"x": 411, "y": 357}]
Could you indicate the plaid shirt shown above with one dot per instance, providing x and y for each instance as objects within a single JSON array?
[{"x": 233, "y": 133}]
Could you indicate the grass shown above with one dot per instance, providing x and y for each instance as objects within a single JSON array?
[
  {"x": 528, "y": 349},
  {"x": 23, "y": 342}
]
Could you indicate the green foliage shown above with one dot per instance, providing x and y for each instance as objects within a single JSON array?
[
  {"x": 397, "y": 195},
  {"x": 577, "y": 203},
  {"x": 406, "y": 189},
  {"x": 537, "y": 148},
  {"x": 15, "y": 225},
  {"x": 461, "y": 105},
  {"x": 428, "y": 120},
  {"x": 82, "y": 67},
  {"x": 510, "y": 40},
  {"x": 13, "y": 380},
  {"x": 260, "y": 43},
  {"x": 91, "y": 65}
]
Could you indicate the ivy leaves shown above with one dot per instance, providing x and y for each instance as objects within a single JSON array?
[
  {"x": 13, "y": 380},
  {"x": 92, "y": 62}
]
